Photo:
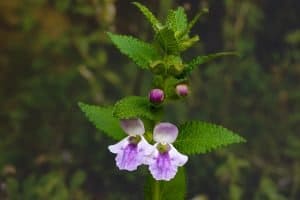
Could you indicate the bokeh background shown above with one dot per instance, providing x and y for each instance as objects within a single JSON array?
[{"x": 54, "y": 53}]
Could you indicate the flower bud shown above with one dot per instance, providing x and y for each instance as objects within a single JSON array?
[
  {"x": 182, "y": 90},
  {"x": 156, "y": 96}
]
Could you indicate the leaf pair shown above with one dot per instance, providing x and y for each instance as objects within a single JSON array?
[{"x": 195, "y": 137}]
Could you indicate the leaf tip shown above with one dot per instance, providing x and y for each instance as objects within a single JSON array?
[{"x": 80, "y": 104}]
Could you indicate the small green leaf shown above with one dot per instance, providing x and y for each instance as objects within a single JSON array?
[
  {"x": 103, "y": 119},
  {"x": 149, "y": 15},
  {"x": 199, "y": 60},
  {"x": 140, "y": 52},
  {"x": 192, "y": 23},
  {"x": 134, "y": 107},
  {"x": 201, "y": 137},
  {"x": 177, "y": 20},
  {"x": 168, "y": 190},
  {"x": 167, "y": 41}
]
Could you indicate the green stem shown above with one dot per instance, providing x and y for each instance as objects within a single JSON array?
[{"x": 156, "y": 190}]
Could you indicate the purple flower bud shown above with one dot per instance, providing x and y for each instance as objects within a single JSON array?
[
  {"x": 182, "y": 90},
  {"x": 156, "y": 96}
]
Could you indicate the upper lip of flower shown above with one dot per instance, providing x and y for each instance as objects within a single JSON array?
[
  {"x": 133, "y": 127},
  {"x": 165, "y": 133}
]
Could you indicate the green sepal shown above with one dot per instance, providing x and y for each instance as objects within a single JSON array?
[
  {"x": 103, "y": 119},
  {"x": 140, "y": 52},
  {"x": 135, "y": 107},
  {"x": 198, "y": 137},
  {"x": 168, "y": 190}
]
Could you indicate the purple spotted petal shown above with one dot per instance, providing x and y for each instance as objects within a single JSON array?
[
  {"x": 165, "y": 133},
  {"x": 130, "y": 156},
  {"x": 163, "y": 166},
  {"x": 133, "y": 126}
]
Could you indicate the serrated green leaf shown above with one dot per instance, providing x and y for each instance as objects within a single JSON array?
[
  {"x": 140, "y": 52},
  {"x": 156, "y": 25},
  {"x": 201, "y": 137},
  {"x": 168, "y": 190},
  {"x": 167, "y": 41},
  {"x": 177, "y": 20},
  {"x": 192, "y": 23},
  {"x": 103, "y": 119},
  {"x": 134, "y": 107},
  {"x": 199, "y": 60}
]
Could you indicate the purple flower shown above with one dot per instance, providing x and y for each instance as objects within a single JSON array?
[
  {"x": 182, "y": 90},
  {"x": 133, "y": 150},
  {"x": 165, "y": 159},
  {"x": 156, "y": 96}
]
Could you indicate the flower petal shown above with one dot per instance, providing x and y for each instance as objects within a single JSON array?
[
  {"x": 116, "y": 148},
  {"x": 128, "y": 158},
  {"x": 145, "y": 148},
  {"x": 131, "y": 155},
  {"x": 165, "y": 133},
  {"x": 162, "y": 167},
  {"x": 177, "y": 158},
  {"x": 133, "y": 126}
]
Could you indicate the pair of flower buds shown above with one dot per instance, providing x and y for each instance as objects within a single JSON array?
[
  {"x": 157, "y": 96},
  {"x": 134, "y": 150}
]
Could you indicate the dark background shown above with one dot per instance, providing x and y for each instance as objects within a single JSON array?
[{"x": 54, "y": 53}]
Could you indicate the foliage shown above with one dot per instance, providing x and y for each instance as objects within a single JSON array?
[
  {"x": 201, "y": 137},
  {"x": 156, "y": 25},
  {"x": 134, "y": 107},
  {"x": 102, "y": 118},
  {"x": 140, "y": 52}
]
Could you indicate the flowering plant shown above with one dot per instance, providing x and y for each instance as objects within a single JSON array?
[{"x": 162, "y": 146}]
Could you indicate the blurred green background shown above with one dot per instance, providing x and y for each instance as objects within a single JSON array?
[{"x": 54, "y": 53}]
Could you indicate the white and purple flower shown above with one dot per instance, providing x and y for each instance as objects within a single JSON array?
[
  {"x": 133, "y": 149},
  {"x": 165, "y": 159}
]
